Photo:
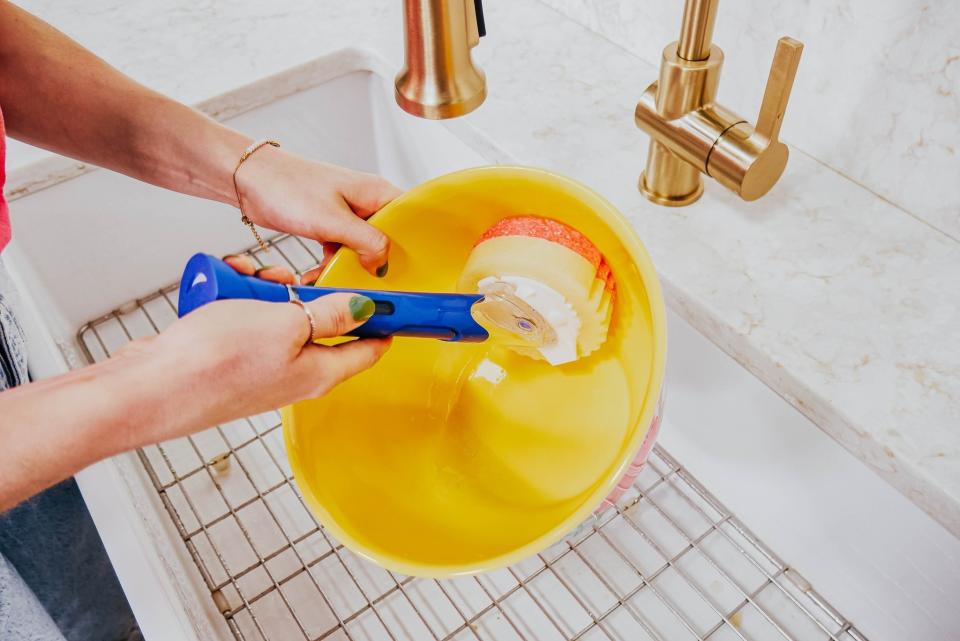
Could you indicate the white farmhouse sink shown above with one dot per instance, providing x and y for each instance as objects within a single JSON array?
[{"x": 91, "y": 242}]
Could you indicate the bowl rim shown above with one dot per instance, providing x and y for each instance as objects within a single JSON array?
[{"x": 638, "y": 252}]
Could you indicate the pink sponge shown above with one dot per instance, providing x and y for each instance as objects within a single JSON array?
[{"x": 548, "y": 229}]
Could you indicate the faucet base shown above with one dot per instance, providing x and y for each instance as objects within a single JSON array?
[{"x": 668, "y": 200}]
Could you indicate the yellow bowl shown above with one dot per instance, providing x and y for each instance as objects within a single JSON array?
[{"x": 453, "y": 458}]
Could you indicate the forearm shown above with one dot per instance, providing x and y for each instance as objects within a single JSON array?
[
  {"x": 57, "y": 95},
  {"x": 53, "y": 428}
]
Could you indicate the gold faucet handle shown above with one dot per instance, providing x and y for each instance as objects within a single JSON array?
[
  {"x": 750, "y": 159},
  {"x": 783, "y": 71}
]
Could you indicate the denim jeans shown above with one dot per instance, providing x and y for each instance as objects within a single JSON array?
[{"x": 56, "y": 582}]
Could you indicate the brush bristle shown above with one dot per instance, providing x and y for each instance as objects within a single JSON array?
[{"x": 556, "y": 255}]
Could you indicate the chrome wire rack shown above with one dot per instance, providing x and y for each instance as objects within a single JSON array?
[{"x": 668, "y": 563}]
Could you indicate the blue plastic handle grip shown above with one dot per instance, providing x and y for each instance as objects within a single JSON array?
[{"x": 443, "y": 316}]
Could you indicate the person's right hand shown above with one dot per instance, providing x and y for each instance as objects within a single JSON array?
[{"x": 236, "y": 358}]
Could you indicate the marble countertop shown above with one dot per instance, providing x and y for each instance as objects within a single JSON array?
[{"x": 844, "y": 304}]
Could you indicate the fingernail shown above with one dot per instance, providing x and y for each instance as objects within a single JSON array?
[
  {"x": 383, "y": 269},
  {"x": 263, "y": 269},
  {"x": 226, "y": 256},
  {"x": 362, "y": 308}
]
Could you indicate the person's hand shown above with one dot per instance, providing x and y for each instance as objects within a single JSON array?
[
  {"x": 236, "y": 358},
  {"x": 330, "y": 204}
]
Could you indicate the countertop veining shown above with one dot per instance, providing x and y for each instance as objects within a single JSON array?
[{"x": 846, "y": 305}]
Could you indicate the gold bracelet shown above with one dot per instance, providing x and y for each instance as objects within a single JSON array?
[{"x": 249, "y": 151}]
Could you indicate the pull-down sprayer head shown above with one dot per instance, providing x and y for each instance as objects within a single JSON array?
[{"x": 439, "y": 79}]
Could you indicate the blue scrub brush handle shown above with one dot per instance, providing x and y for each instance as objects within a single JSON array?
[{"x": 443, "y": 316}]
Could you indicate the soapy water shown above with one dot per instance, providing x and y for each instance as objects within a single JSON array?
[
  {"x": 533, "y": 331},
  {"x": 502, "y": 420}
]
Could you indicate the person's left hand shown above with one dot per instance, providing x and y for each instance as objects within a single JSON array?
[{"x": 327, "y": 203}]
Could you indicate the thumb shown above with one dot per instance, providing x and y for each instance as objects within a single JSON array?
[
  {"x": 337, "y": 314},
  {"x": 371, "y": 244}
]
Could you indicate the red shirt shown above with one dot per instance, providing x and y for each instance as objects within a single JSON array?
[{"x": 4, "y": 211}]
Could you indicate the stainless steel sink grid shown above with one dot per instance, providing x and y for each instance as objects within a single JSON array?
[{"x": 669, "y": 563}]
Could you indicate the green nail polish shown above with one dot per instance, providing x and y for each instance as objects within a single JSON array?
[
  {"x": 362, "y": 308},
  {"x": 263, "y": 269},
  {"x": 382, "y": 270}
]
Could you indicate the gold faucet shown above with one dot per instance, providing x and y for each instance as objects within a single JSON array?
[
  {"x": 439, "y": 79},
  {"x": 693, "y": 135}
]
